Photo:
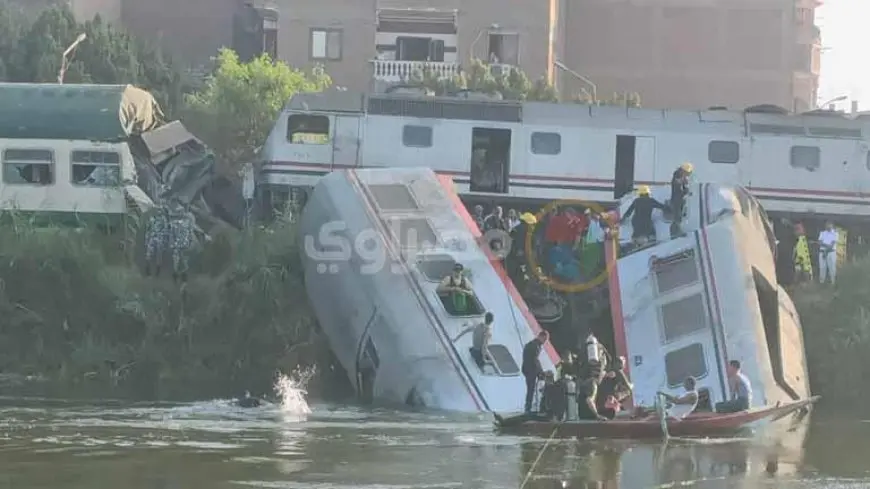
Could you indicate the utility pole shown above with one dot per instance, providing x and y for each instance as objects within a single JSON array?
[{"x": 64, "y": 60}]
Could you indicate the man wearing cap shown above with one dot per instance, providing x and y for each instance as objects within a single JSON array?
[{"x": 456, "y": 288}]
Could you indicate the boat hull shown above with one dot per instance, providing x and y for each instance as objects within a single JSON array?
[{"x": 695, "y": 425}]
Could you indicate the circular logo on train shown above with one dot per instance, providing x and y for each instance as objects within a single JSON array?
[{"x": 564, "y": 267}]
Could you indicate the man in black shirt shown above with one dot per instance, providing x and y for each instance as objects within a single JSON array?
[
  {"x": 642, "y": 208},
  {"x": 532, "y": 368}
]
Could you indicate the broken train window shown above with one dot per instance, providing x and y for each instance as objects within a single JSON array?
[
  {"x": 96, "y": 168},
  {"x": 28, "y": 166}
]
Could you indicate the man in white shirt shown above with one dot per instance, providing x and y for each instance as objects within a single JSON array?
[
  {"x": 828, "y": 241},
  {"x": 481, "y": 336}
]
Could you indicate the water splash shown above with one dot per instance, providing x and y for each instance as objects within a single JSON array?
[{"x": 291, "y": 390}]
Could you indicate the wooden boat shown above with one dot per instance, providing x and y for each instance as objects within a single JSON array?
[{"x": 695, "y": 425}]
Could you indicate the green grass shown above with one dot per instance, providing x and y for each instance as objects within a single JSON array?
[
  {"x": 836, "y": 324},
  {"x": 75, "y": 309}
]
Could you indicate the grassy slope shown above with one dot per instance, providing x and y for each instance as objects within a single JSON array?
[{"x": 74, "y": 307}]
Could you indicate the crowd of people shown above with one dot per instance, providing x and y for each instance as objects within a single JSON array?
[{"x": 595, "y": 386}]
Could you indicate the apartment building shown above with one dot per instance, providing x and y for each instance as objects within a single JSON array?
[{"x": 674, "y": 53}]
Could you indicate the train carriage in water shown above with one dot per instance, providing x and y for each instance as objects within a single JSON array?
[
  {"x": 808, "y": 167},
  {"x": 373, "y": 286}
]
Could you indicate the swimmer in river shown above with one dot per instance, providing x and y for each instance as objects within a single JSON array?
[{"x": 248, "y": 401}]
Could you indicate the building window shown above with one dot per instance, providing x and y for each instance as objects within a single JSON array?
[
  {"x": 808, "y": 158},
  {"x": 96, "y": 168},
  {"x": 326, "y": 44},
  {"x": 28, "y": 166},
  {"x": 308, "y": 129},
  {"x": 504, "y": 49},
  {"x": 685, "y": 362},
  {"x": 417, "y": 136},
  {"x": 419, "y": 49},
  {"x": 683, "y": 317},
  {"x": 727, "y": 152},
  {"x": 546, "y": 143}
]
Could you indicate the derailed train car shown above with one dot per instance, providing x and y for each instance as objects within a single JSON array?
[{"x": 376, "y": 244}]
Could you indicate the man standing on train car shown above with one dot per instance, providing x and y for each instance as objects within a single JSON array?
[
  {"x": 679, "y": 191},
  {"x": 828, "y": 240},
  {"x": 532, "y": 368},
  {"x": 640, "y": 211}
]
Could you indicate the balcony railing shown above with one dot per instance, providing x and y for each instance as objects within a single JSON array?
[{"x": 399, "y": 71}]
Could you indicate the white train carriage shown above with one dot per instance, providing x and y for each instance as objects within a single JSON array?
[
  {"x": 376, "y": 245},
  {"x": 688, "y": 305},
  {"x": 798, "y": 164}
]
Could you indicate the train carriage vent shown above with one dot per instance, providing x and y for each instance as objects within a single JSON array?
[{"x": 458, "y": 109}]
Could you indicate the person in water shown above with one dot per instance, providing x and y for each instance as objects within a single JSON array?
[
  {"x": 480, "y": 339},
  {"x": 683, "y": 405},
  {"x": 457, "y": 289},
  {"x": 741, "y": 391},
  {"x": 643, "y": 229},
  {"x": 248, "y": 401},
  {"x": 532, "y": 368}
]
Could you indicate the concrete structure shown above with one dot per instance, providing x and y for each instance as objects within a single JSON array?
[{"x": 674, "y": 53}]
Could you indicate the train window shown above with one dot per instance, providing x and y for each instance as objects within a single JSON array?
[
  {"x": 503, "y": 361},
  {"x": 685, "y": 362},
  {"x": 868, "y": 160},
  {"x": 546, "y": 143},
  {"x": 28, "y": 166},
  {"x": 308, "y": 129},
  {"x": 413, "y": 234},
  {"x": 467, "y": 307},
  {"x": 435, "y": 267},
  {"x": 675, "y": 271},
  {"x": 808, "y": 158},
  {"x": 96, "y": 168},
  {"x": 723, "y": 152},
  {"x": 683, "y": 317},
  {"x": 393, "y": 197},
  {"x": 417, "y": 136}
]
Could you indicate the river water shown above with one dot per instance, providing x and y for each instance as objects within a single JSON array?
[{"x": 71, "y": 445}]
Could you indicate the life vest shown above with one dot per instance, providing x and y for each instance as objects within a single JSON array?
[
  {"x": 802, "y": 262},
  {"x": 842, "y": 243},
  {"x": 460, "y": 301}
]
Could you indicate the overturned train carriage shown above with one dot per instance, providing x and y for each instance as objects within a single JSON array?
[
  {"x": 376, "y": 243},
  {"x": 690, "y": 304}
]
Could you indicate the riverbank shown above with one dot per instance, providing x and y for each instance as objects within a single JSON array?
[
  {"x": 80, "y": 319},
  {"x": 836, "y": 324}
]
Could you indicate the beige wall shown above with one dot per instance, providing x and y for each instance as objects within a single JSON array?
[
  {"x": 733, "y": 54},
  {"x": 357, "y": 19}
]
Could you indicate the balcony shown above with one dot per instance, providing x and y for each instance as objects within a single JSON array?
[{"x": 398, "y": 71}]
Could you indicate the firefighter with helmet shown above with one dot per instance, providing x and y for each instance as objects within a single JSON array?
[
  {"x": 679, "y": 192},
  {"x": 640, "y": 211}
]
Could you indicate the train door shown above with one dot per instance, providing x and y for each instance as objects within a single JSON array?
[
  {"x": 490, "y": 160},
  {"x": 346, "y": 142},
  {"x": 635, "y": 161}
]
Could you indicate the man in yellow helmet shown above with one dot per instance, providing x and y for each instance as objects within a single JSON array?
[
  {"x": 679, "y": 191},
  {"x": 643, "y": 230}
]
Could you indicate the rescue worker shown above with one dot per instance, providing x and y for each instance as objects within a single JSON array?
[
  {"x": 478, "y": 217},
  {"x": 156, "y": 239},
  {"x": 828, "y": 241},
  {"x": 531, "y": 367},
  {"x": 614, "y": 389},
  {"x": 591, "y": 374},
  {"x": 679, "y": 192},
  {"x": 552, "y": 404},
  {"x": 803, "y": 265},
  {"x": 683, "y": 405},
  {"x": 593, "y": 245},
  {"x": 181, "y": 230},
  {"x": 457, "y": 289},
  {"x": 517, "y": 257},
  {"x": 640, "y": 210}
]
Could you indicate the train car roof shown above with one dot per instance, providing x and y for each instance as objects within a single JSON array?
[{"x": 820, "y": 124}]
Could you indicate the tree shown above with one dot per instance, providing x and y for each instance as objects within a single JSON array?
[
  {"x": 31, "y": 50},
  {"x": 511, "y": 84},
  {"x": 237, "y": 107}
]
